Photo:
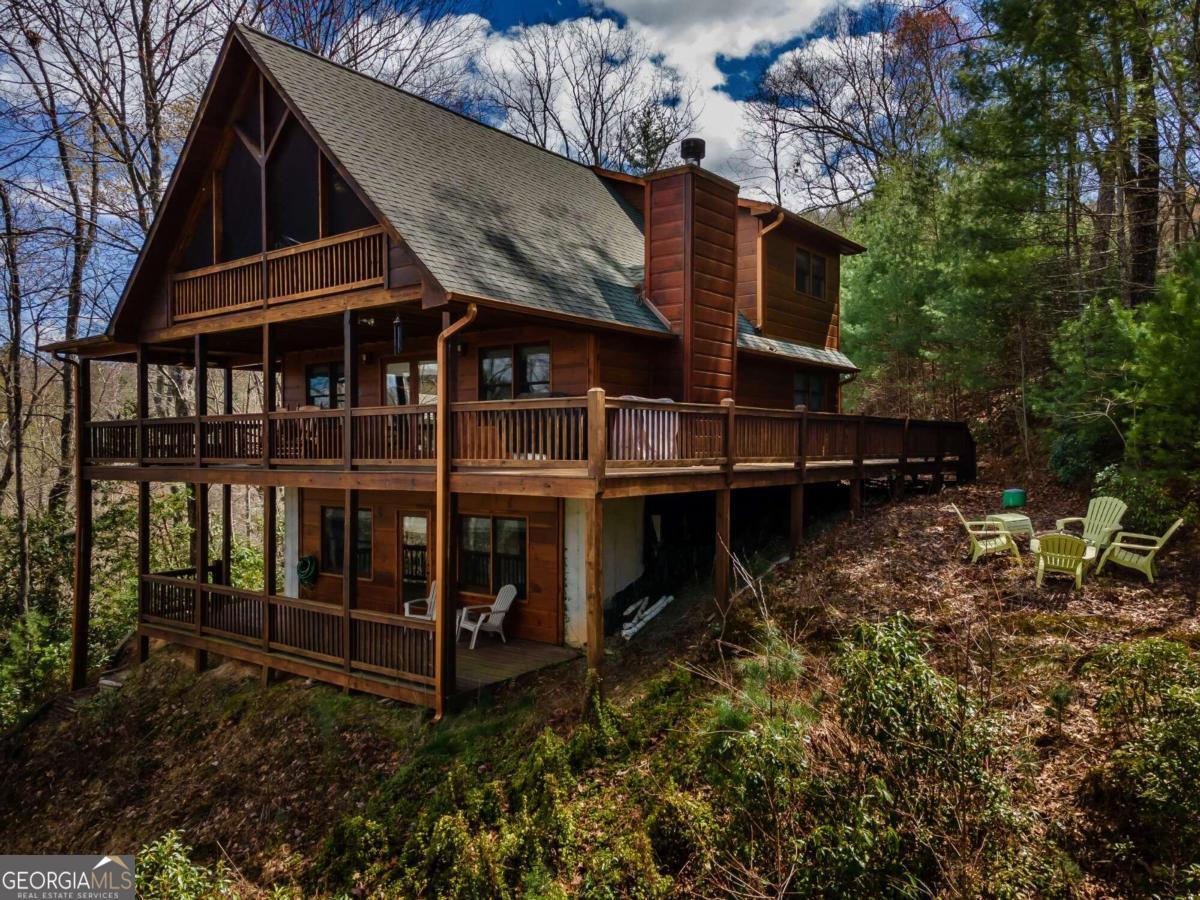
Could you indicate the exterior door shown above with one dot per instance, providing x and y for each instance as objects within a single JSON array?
[{"x": 414, "y": 555}]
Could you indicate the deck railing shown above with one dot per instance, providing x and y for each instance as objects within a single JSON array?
[
  {"x": 370, "y": 642},
  {"x": 575, "y": 434},
  {"x": 343, "y": 262}
]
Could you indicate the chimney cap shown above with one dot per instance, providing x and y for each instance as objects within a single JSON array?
[{"x": 692, "y": 150}]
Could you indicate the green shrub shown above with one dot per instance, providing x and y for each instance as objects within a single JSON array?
[
  {"x": 1155, "y": 498},
  {"x": 621, "y": 865},
  {"x": 682, "y": 831},
  {"x": 33, "y": 668},
  {"x": 165, "y": 870},
  {"x": 1136, "y": 678}
]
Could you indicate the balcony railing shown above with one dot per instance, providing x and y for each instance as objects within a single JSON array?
[
  {"x": 344, "y": 262},
  {"x": 365, "y": 641},
  {"x": 590, "y": 434}
]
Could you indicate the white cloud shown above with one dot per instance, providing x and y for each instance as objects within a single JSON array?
[{"x": 692, "y": 35}]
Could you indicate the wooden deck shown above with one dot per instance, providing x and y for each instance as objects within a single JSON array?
[{"x": 493, "y": 662}]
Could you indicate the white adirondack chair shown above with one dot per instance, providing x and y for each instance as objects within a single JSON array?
[
  {"x": 412, "y": 607},
  {"x": 487, "y": 617}
]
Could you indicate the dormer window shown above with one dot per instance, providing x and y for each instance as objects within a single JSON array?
[{"x": 810, "y": 273}]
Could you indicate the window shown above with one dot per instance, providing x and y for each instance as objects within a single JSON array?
[
  {"x": 398, "y": 384},
  {"x": 320, "y": 379},
  {"x": 810, "y": 390},
  {"x": 414, "y": 553},
  {"x": 333, "y": 540},
  {"x": 492, "y": 553},
  {"x": 241, "y": 207},
  {"x": 293, "y": 209},
  {"x": 532, "y": 372},
  {"x": 810, "y": 273}
]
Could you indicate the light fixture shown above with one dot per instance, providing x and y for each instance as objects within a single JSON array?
[{"x": 397, "y": 334}]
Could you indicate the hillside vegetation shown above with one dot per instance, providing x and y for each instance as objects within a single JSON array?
[{"x": 883, "y": 719}]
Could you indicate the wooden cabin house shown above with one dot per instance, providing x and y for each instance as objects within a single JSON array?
[{"x": 483, "y": 364}]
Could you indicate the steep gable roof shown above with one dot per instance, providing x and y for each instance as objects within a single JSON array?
[{"x": 488, "y": 214}]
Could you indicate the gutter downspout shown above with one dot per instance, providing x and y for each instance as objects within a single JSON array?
[
  {"x": 761, "y": 260},
  {"x": 443, "y": 652}
]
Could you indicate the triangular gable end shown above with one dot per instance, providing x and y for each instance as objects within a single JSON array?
[{"x": 252, "y": 170}]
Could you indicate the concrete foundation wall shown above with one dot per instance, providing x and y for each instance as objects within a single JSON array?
[{"x": 624, "y": 525}]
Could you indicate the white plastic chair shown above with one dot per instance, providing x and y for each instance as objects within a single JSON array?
[
  {"x": 430, "y": 604},
  {"x": 487, "y": 617}
]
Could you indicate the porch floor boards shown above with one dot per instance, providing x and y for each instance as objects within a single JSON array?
[{"x": 493, "y": 662}]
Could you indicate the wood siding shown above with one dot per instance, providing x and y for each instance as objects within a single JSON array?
[
  {"x": 691, "y": 266},
  {"x": 537, "y": 617},
  {"x": 748, "y": 226},
  {"x": 788, "y": 313}
]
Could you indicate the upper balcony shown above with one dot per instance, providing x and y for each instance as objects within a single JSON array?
[
  {"x": 345, "y": 262},
  {"x": 567, "y": 437}
]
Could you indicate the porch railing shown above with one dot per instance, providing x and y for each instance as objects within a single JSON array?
[
  {"x": 365, "y": 641},
  {"x": 343, "y": 262},
  {"x": 592, "y": 434}
]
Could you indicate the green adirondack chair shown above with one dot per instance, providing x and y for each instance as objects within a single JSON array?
[
  {"x": 1102, "y": 521},
  {"x": 988, "y": 537},
  {"x": 1136, "y": 551},
  {"x": 1062, "y": 553}
]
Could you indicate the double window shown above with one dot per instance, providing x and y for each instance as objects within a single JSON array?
[
  {"x": 506, "y": 373},
  {"x": 408, "y": 383},
  {"x": 810, "y": 390},
  {"x": 810, "y": 273},
  {"x": 333, "y": 541},
  {"x": 491, "y": 554},
  {"x": 325, "y": 385}
]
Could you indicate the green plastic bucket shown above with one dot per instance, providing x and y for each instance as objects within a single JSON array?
[{"x": 1013, "y": 497}]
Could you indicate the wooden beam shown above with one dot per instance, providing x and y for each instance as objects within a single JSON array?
[
  {"x": 796, "y": 520},
  {"x": 350, "y": 377},
  {"x": 81, "y": 608},
  {"x": 270, "y": 587},
  {"x": 445, "y": 633},
  {"x": 594, "y": 580},
  {"x": 226, "y": 488},
  {"x": 141, "y": 400},
  {"x": 200, "y": 383},
  {"x": 597, "y": 436},
  {"x": 268, "y": 393},
  {"x": 200, "y": 495},
  {"x": 722, "y": 553},
  {"x": 349, "y": 568}
]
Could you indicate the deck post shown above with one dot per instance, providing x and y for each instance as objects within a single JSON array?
[
  {"x": 901, "y": 484},
  {"x": 268, "y": 394},
  {"x": 143, "y": 561},
  {"x": 597, "y": 433},
  {"x": 723, "y": 553},
  {"x": 200, "y": 551},
  {"x": 200, "y": 383},
  {"x": 730, "y": 438},
  {"x": 350, "y": 376},
  {"x": 141, "y": 402},
  {"x": 227, "y": 489},
  {"x": 796, "y": 520},
  {"x": 594, "y": 575},
  {"x": 349, "y": 566},
  {"x": 270, "y": 588},
  {"x": 445, "y": 629},
  {"x": 939, "y": 477},
  {"x": 856, "y": 483},
  {"x": 81, "y": 609}
]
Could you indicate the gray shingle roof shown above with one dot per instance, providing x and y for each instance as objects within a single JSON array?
[
  {"x": 490, "y": 215},
  {"x": 750, "y": 339}
]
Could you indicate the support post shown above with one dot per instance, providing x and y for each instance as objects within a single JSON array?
[
  {"x": 856, "y": 483},
  {"x": 141, "y": 402},
  {"x": 939, "y": 477},
  {"x": 349, "y": 567},
  {"x": 270, "y": 588},
  {"x": 200, "y": 551},
  {"x": 445, "y": 625},
  {"x": 796, "y": 532},
  {"x": 350, "y": 374},
  {"x": 227, "y": 491},
  {"x": 597, "y": 437},
  {"x": 143, "y": 561},
  {"x": 723, "y": 554},
  {"x": 594, "y": 577},
  {"x": 81, "y": 610},
  {"x": 268, "y": 393},
  {"x": 902, "y": 476},
  {"x": 200, "y": 382},
  {"x": 730, "y": 437}
]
